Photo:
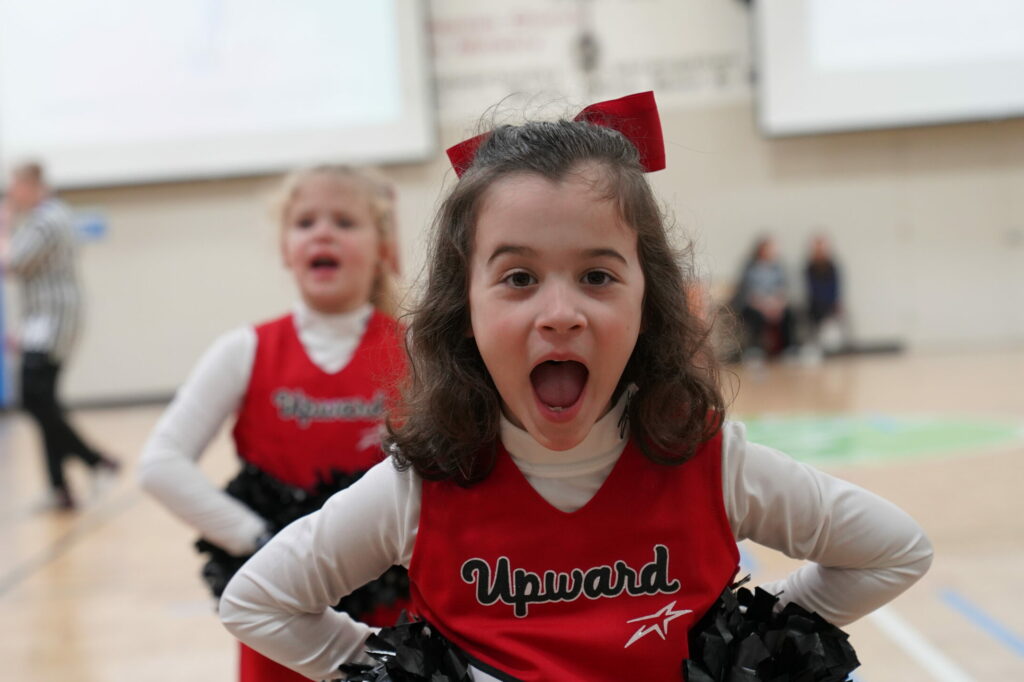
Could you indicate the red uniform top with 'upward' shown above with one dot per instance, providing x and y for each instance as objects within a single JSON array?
[
  {"x": 534, "y": 593},
  {"x": 298, "y": 422}
]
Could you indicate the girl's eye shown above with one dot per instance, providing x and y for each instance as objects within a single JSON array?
[
  {"x": 305, "y": 223},
  {"x": 344, "y": 222},
  {"x": 597, "y": 278},
  {"x": 519, "y": 279}
]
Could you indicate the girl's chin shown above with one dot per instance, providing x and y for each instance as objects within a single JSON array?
[
  {"x": 561, "y": 441},
  {"x": 557, "y": 429},
  {"x": 563, "y": 434},
  {"x": 330, "y": 304}
]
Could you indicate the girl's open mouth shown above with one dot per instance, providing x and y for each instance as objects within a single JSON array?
[
  {"x": 324, "y": 263},
  {"x": 559, "y": 385}
]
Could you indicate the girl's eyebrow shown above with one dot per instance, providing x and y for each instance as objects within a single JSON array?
[
  {"x": 527, "y": 251},
  {"x": 513, "y": 249},
  {"x": 602, "y": 253}
]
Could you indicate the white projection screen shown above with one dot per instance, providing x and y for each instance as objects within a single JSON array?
[
  {"x": 834, "y": 65},
  {"x": 124, "y": 92}
]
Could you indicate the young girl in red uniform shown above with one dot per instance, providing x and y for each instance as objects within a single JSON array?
[
  {"x": 309, "y": 391},
  {"x": 563, "y": 488}
]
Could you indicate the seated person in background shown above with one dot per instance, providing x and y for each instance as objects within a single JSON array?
[
  {"x": 823, "y": 308},
  {"x": 763, "y": 304}
]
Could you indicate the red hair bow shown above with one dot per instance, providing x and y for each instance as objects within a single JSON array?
[{"x": 635, "y": 116}]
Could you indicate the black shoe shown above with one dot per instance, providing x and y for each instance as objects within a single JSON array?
[
  {"x": 107, "y": 465},
  {"x": 62, "y": 500}
]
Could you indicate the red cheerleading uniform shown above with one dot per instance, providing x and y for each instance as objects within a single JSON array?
[
  {"x": 299, "y": 423},
  {"x": 532, "y": 593}
]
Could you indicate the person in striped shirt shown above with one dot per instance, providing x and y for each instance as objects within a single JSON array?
[{"x": 38, "y": 248}]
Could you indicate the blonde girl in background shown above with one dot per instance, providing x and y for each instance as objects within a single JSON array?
[{"x": 307, "y": 391}]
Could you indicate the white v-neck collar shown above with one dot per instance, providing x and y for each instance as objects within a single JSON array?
[
  {"x": 330, "y": 340},
  {"x": 335, "y": 325}
]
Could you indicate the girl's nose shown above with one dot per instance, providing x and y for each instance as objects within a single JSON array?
[
  {"x": 560, "y": 311},
  {"x": 322, "y": 228}
]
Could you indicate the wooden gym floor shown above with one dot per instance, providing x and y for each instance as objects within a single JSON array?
[{"x": 112, "y": 593}]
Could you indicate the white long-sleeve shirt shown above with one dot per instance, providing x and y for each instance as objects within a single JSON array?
[
  {"x": 865, "y": 550},
  {"x": 212, "y": 393}
]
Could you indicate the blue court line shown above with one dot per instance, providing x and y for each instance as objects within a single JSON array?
[{"x": 973, "y": 613}]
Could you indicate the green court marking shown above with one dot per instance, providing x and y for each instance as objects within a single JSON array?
[{"x": 844, "y": 438}]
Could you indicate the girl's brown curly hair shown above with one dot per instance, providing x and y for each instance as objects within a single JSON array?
[{"x": 447, "y": 426}]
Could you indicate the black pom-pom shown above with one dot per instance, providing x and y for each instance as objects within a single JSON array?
[
  {"x": 387, "y": 590},
  {"x": 219, "y": 568},
  {"x": 743, "y": 639},
  {"x": 280, "y": 504},
  {"x": 277, "y": 502},
  {"x": 411, "y": 652}
]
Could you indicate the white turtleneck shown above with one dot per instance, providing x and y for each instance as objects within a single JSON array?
[
  {"x": 567, "y": 479},
  {"x": 212, "y": 393},
  {"x": 863, "y": 550}
]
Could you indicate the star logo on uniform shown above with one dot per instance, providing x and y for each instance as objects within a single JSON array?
[{"x": 657, "y": 622}]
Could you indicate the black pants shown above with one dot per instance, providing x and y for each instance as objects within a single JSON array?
[
  {"x": 771, "y": 337},
  {"x": 39, "y": 398}
]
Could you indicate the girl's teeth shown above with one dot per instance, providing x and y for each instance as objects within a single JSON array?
[{"x": 555, "y": 409}]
